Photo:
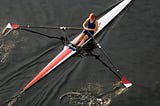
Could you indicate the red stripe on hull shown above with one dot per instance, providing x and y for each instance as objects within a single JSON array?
[{"x": 48, "y": 68}]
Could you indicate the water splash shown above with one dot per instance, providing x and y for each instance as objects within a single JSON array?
[
  {"x": 93, "y": 95},
  {"x": 7, "y": 44},
  {"x": 13, "y": 99},
  {"x": 5, "y": 49}
]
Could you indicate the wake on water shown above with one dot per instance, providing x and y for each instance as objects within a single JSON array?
[
  {"x": 7, "y": 44},
  {"x": 93, "y": 95},
  {"x": 5, "y": 49}
]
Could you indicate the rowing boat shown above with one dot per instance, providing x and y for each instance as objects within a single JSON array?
[{"x": 68, "y": 51}]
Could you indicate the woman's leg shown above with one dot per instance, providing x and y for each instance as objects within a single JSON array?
[
  {"x": 80, "y": 39},
  {"x": 85, "y": 37}
]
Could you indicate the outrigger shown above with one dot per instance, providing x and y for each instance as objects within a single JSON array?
[{"x": 69, "y": 50}]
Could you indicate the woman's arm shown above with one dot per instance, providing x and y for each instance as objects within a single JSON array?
[
  {"x": 85, "y": 23},
  {"x": 96, "y": 26}
]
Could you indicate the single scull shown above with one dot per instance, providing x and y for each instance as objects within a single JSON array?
[{"x": 68, "y": 51}]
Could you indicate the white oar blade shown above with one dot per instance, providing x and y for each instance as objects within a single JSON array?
[{"x": 126, "y": 82}]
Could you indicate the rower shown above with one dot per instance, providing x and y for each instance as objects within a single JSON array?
[{"x": 90, "y": 26}]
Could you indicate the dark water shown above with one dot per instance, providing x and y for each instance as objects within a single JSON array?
[{"x": 132, "y": 41}]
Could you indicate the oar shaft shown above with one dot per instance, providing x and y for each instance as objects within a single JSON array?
[{"x": 52, "y": 27}]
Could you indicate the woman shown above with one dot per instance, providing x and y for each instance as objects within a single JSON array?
[{"x": 90, "y": 27}]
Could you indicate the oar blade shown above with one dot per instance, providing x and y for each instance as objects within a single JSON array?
[
  {"x": 126, "y": 82},
  {"x": 15, "y": 26},
  {"x": 9, "y": 27}
]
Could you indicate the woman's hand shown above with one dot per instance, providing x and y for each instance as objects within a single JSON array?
[{"x": 88, "y": 29}]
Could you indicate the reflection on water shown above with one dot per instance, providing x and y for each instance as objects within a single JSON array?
[{"x": 93, "y": 95}]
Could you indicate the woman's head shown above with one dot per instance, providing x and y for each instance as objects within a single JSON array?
[{"x": 92, "y": 16}]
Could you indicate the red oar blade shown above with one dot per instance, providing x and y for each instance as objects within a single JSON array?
[
  {"x": 126, "y": 82},
  {"x": 9, "y": 27},
  {"x": 15, "y": 26}
]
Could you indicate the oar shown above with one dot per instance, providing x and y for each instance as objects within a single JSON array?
[
  {"x": 53, "y": 27},
  {"x": 123, "y": 79},
  {"x": 11, "y": 26},
  {"x": 116, "y": 71}
]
